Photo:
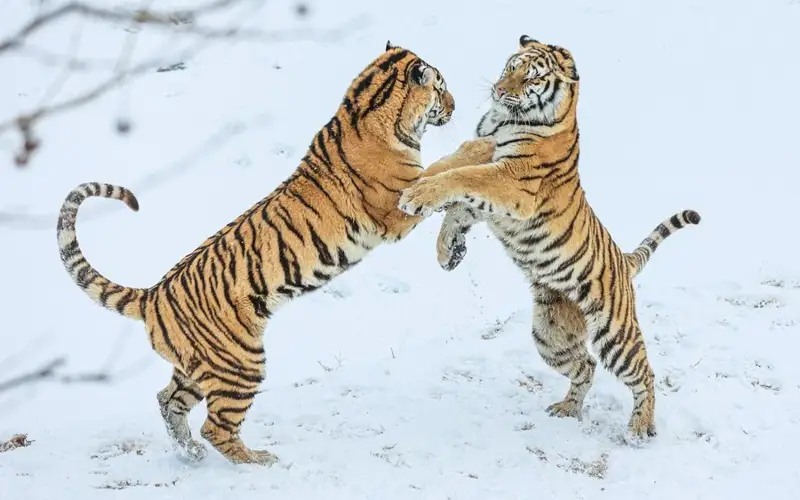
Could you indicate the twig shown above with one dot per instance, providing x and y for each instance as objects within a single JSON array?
[
  {"x": 14, "y": 359},
  {"x": 140, "y": 16},
  {"x": 137, "y": 70},
  {"x": 25, "y": 122},
  {"x": 87, "y": 377},
  {"x": 49, "y": 372},
  {"x": 34, "y": 222},
  {"x": 44, "y": 372}
]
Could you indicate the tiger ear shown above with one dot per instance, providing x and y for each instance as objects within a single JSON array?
[
  {"x": 569, "y": 72},
  {"x": 389, "y": 45},
  {"x": 422, "y": 74},
  {"x": 525, "y": 40}
]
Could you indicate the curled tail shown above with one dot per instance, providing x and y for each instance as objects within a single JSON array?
[
  {"x": 639, "y": 257},
  {"x": 126, "y": 301}
]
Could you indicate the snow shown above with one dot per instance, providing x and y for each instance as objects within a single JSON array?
[{"x": 400, "y": 380}]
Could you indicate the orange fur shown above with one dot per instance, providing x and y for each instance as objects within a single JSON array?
[
  {"x": 531, "y": 197},
  {"x": 207, "y": 315}
]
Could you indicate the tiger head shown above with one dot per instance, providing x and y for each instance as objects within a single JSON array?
[
  {"x": 399, "y": 95},
  {"x": 538, "y": 84},
  {"x": 427, "y": 101}
]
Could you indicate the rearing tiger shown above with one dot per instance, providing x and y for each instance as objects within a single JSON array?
[
  {"x": 207, "y": 315},
  {"x": 531, "y": 197}
]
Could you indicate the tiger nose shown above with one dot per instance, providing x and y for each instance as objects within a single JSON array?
[
  {"x": 450, "y": 101},
  {"x": 500, "y": 91}
]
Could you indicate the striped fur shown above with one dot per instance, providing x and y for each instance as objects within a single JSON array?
[
  {"x": 641, "y": 256},
  {"x": 207, "y": 315},
  {"x": 531, "y": 197}
]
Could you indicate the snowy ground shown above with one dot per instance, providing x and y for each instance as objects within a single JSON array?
[{"x": 400, "y": 380}]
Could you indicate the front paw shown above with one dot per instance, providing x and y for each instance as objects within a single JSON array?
[
  {"x": 423, "y": 198},
  {"x": 450, "y": 250}
]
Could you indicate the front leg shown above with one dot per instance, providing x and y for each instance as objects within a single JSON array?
[
  {"x": 451, "y": 245},
  {"x": 477, "y": 151},
  {"x": 489, "y": 188},
  {"x": 473, "y": 152},
  {"x": 398, "y": 225}
]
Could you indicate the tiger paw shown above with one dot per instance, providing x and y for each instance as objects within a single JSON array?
[
  {"x": 263, "y": 457},
  {"x": 641, "y": 428},
  {"x": 423, "y": 198},
  {"x": 191, "y": 451},
  {"x": 450, "y": 251},
  {"x": 195, "y": 451},
  {"x": 247, "y": 456},
  {"x": 564, "y": 409}
]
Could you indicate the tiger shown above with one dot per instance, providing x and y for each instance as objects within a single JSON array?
[
  {"x": 531, "y": 198},
  {"x": 208, "y": 314}
]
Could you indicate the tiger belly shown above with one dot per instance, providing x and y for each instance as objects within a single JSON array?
[
  {"x": 337, "y": 260},
  {"x": 525, "y": 243}
]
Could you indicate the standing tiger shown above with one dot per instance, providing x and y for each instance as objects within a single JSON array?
[
  {"x": 207, "y": 315},
  {"x": 531, "y": 197}
]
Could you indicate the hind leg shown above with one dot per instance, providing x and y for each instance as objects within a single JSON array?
[
  {"x": 227, "y": 405},
  {"x": 176, "y": 400},
  {"x": 617, "y": 340},
  {"x": 624, "y": 355},
  {"x": 559, "y": 332},
  {"x": 230, "y": 385}
]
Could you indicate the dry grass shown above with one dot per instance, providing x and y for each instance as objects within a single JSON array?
[{"x": 16, "y": 441}]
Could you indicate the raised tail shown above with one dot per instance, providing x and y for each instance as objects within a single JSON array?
[
  {"x": 126, "y": 301},
  {"x": 639, "y": 257}
]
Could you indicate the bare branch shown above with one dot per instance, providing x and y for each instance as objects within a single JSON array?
[
  {"x": 180, "y": 22},
  {"x": 25, "y": 121},
  {"x": 44, "y": 372},
  {"x": 50, "y": 372},
  {"x": 141, "y": 16},
  {"x": 84, "y": 65},
  {"x": 34, "y": 222}
]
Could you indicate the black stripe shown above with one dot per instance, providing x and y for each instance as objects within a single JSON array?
[
  {"x": 260, "y": 306},
  {"x": 164, "y": 332},
  {"x": 383, "y": 93},
  {"x": 303, "y": 201},
  {"x": 561, "y": 240},
  {"x": 322, "y": 276},
  {"x": 626, "y": 363},
  {"x": 392, "y": 59},
  {"x": 126, "y": 299},
  {"x": 322, "y": 249},
  {"x": 514, "y": 141},
  {"x": 286, "y": 218}
]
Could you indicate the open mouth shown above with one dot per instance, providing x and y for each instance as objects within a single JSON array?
[
  {"x": 437, "y": 118},
  {"x": 440, "y": 120}
]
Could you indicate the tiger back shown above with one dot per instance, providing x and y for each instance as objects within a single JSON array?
[{"x": 207, "y": 315}]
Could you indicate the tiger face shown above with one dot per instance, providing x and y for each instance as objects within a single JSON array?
[
  {"x": 427, "y": 102},
  {"x": 536, "y": 84}
]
